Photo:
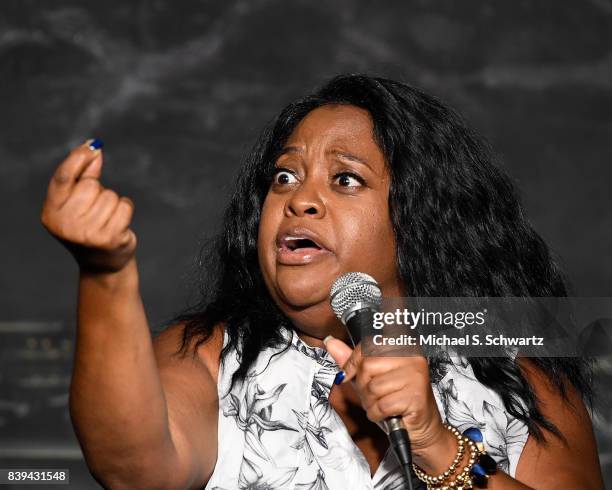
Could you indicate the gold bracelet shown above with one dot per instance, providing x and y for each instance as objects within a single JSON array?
[
  {"x": 467, "y": 478},
  {"x": 434, "y": 482},
  {"x": 463, "y": 480}
]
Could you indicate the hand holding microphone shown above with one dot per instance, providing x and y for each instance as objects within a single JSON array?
[{"x": 394, "y": 391}]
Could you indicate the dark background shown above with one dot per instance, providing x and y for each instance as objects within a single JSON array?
[{"x": 179, "y": 90}]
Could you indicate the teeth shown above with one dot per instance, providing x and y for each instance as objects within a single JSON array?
[{"x": 296, "y": 239}]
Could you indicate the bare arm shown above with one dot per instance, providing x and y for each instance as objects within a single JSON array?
[
  {"x": 555, "y": 463},
  {"x": 137, "y": 424},
  {"x": 145, "y": 419},
  {"x": 117, "y": 402}
]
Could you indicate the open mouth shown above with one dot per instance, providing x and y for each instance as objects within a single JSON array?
[
  {"x": 298, "y": 244},
  {"x": 300, "y": 250}
]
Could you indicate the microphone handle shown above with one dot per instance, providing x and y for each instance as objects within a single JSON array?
[{"x": 356, "y": 322}]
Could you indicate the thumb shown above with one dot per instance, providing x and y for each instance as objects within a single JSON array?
[
  {"x": 338, "y": 350},
  {"x": 94, "y": 169}
]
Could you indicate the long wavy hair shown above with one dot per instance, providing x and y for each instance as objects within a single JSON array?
[{"x": 459, "y": 227}]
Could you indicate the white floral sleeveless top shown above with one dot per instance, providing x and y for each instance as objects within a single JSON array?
[{"x": 277, "y": 430}]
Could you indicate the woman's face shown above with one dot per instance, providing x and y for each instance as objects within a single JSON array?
[{"x": 326, "y": 213}]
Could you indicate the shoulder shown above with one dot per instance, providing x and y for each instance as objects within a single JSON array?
[
  {"x": 551, "y": 401},
  {"x": 203, "y": 358},
  {"x": 566, "y": 461},
  {"x": 189, "y": 384}
]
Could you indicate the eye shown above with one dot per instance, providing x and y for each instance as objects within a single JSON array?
[
  {"x": 349, "y": 179},
  {"x": 283, "y": 176}
]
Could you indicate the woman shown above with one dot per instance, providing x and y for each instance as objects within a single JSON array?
[{"x": 365, "y": 175}]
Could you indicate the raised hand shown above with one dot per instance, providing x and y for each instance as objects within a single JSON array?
[{"x": 90, "y": 221}]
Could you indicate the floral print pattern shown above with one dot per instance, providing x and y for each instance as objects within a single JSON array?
[
  {"x": 465, "y": 402},
  {"x": 277, "y": 430}
]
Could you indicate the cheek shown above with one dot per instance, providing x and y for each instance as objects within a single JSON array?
[
  {"x": 366, "y": 233},
  {"x": 369, "y": 243}
]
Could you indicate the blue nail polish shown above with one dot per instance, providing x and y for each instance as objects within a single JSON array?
[
  {"x": 96, "y": 144},
  {"x": 339, "y": 377}
]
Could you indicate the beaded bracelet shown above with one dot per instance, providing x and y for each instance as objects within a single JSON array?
[
  {"x": 436, "y": 481},
  {"x": 485, "y": 465},
  {"x": 480, "y": 465}
]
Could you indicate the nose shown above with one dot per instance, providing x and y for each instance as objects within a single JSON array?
[{"x": 305, "y": 201}]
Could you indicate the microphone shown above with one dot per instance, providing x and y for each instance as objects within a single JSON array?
[{"x": 355, "y": 297}]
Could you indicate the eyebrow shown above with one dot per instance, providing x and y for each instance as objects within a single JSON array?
[
  {"x": 338, "y": 153},
  {"x": 351, "y": 157}
]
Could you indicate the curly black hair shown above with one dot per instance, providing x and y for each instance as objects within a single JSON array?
[{"x": 459, "y": 226}]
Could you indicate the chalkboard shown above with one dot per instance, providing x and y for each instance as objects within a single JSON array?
[{"x": 179, "y": 92}]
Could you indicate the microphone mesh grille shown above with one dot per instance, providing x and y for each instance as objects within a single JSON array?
[{"x": 352, "y": 288}]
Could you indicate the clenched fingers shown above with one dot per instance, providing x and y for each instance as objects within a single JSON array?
[
  {"x": 391, "y": 405},
  {"x": 118, "y": 224},
  {"x": 83, "y": 196},
  {"x": 82, "y": 162}
]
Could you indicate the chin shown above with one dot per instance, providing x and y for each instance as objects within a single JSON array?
[
  {"x": 296, "y": 297},
  {"x": 302, "y": 288}
]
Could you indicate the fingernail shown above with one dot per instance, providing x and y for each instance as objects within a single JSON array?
[
  {"x": 95, "y": 144},
  {"x": 329, "y": 337},
  {"x": 339, "y": 377}
]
